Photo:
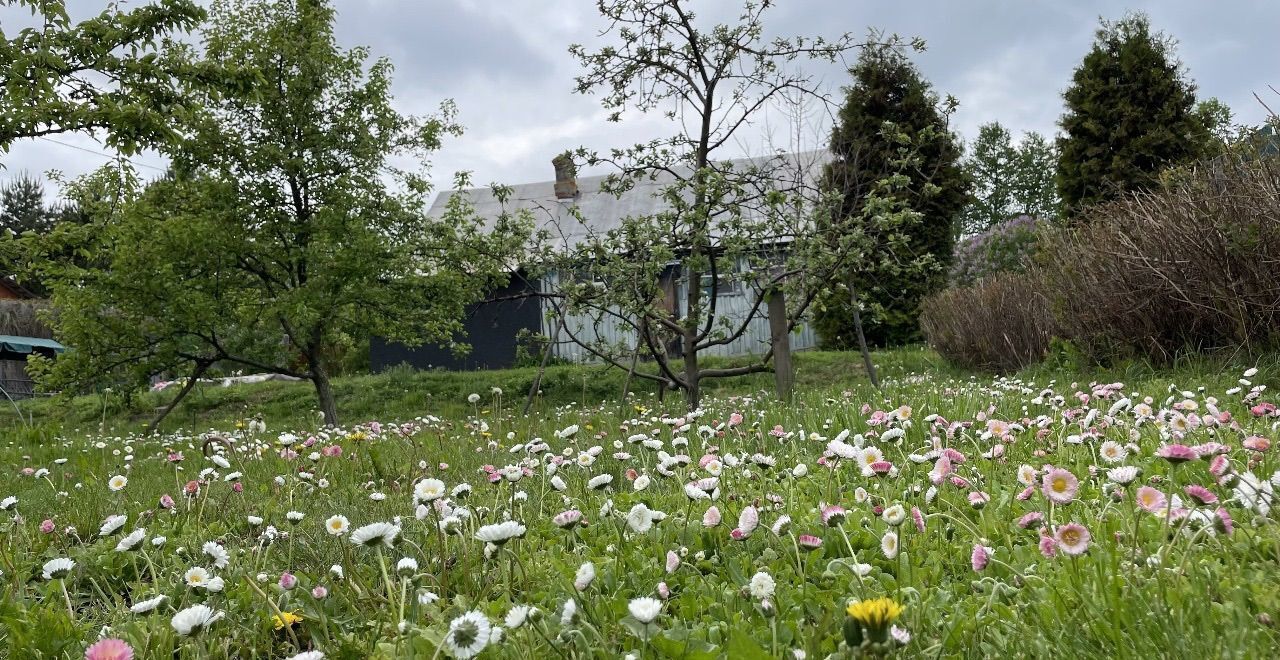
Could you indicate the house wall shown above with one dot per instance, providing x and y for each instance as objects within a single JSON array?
[
  {"x": 492, "y": 330},
  {"x": 602, "y": 327}
]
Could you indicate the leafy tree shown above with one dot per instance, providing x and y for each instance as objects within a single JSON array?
[
  {"x": 889, "y": 103},
  {"x": 1131, "y": 111},
  {"x": 740, "y": 233},
  {"x": 1008, "y": 179},
  {"x": 22, "y": 206},
  {"x": 285, "y": 217},
  {"x": 990, "y": 165},
  {"x": 133, "y": 288},
  {"x": 116, "y": 71},
  {"x": 1035, "y": 190}
]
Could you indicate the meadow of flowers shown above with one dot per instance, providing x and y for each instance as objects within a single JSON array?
[{"x": 936, "y": 517}]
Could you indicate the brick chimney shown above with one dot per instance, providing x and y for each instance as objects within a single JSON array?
[{"x": 566, "y": 176}]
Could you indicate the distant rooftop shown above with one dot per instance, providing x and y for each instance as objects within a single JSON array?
[{"x": 602, "y": 211}]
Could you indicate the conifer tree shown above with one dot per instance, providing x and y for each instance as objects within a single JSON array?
[
  {"x": 889, "y": 104},
  {"x": 1131, "y": 112}
]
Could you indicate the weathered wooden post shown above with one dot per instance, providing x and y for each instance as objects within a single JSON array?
[{"x": 780, "y": 339}]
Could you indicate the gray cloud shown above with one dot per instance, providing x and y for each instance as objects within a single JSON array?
[{"x": 505, "y": 63}]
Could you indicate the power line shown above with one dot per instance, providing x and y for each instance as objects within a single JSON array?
[{"x": 101, "y": 153}]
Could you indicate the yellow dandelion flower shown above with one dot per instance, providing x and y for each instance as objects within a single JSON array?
[
  {"x": 875, "y": 614},
  {"x": 285, "y": 620}
]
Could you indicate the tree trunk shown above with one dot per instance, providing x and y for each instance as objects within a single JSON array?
[
  {"x": 542, "y": 368},
  {"x": 783, "y": 374},
  {"x": 692, "y": 386},
  {"x": 862, "y": 338},
  {"x": 324, "y": 391},
  {"x": 631, "y": 372},
  {"x": 201, "y": 368}
]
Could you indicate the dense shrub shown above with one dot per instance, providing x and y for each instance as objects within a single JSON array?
[
  {"x": 1194, "y": 265},
  {"x": 1002, "y": 322},
  {"x": 1004, "y": 248}
]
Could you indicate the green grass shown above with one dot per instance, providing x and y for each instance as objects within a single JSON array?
[
  {"x": 1208, "y": 595},
  {"x": 404, "y": 393}
]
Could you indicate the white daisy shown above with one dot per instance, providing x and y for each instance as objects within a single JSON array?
[
  {"x": 468, "y": 635},
  {"x": 196, "y": 577},
  {"x": 57, "y": 568},
  {"x": 337, "y": 525},
  {"x": 194, "y": 619},
  {"x": 762, "y": 585},
  {"x": 375, "y": 533},
  {"x": 218, "y": 553},
  {"x": 112, "y": 525},
  {"x": 144, "y": 606},
  {"x": 644, "y": 609},
  {"x": 500, "y": 533},
  {"x": 586, "y": 575},
  {"x": 131, "y": 541},
  {"x": 428, "y": 490},
  {"x": 889, "y": 544},
  {"x": 600, "y": 481},
  {"x": 518, "y": 615},
  {"x": 118, "y": 482}
]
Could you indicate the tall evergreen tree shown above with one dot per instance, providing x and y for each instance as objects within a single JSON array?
[
  {"x": 22, "y": 206},
  {"x": 1130, "y": 113},
  {"x": 889, "y": 104}
]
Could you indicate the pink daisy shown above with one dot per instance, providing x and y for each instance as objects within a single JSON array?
[
  {"x": 1048, "y": 546},
  {"x": 1256, "y": 443},
  {"x": 979, "y": 557},
  {"x": 881, "y": 468},
  {"x": 1177, "y": 453},
  {"x": 1150, "y": 499},
  {"x": 1031, "y": 520},
  {"x": 567, "y": 519},
  {"x": 978, "y": 499},
  {"x": 711, "y": 518},
  {"x": 833, "y": 515},
  {"x": 918, "y": 518},
  {"x": 1200, "y": 494},
  {"x": 109, "y": 649},
  {"x": 808, "y": 542},
  {"x": 1223, "y": 521},
  {"x": 1073, "y": 538},
  {"x": 1060, "y": 486}
]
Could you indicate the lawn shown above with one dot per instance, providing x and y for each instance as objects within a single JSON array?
[{"x": 1120, "y": 513}]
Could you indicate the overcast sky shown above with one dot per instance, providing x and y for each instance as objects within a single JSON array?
[{"x": 505, "y": 64}]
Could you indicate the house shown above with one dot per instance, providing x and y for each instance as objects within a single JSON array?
[
  {"x": 22, "y": 334},
  {"x": 498, "y": 327},
  {"x": 11, "y": 290}
]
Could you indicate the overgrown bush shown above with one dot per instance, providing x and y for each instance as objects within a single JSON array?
[
  {"x": 1194, "y": 265},
  {"x": 1004, "y": 248},
  {"x": 1000, "y": 323}
]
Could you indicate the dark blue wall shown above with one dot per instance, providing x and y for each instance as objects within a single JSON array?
[{"x": 491, "y": 327}]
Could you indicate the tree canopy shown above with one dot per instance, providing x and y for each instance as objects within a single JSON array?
[
  {"x": 293, "y": 220},
  {"x": 1130, "y": 112},
  {"x": 889, "y": 107},
  {"x": 118, "y": 72}
]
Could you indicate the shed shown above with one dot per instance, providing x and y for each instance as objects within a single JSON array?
[{"x": 570, "y": 209}]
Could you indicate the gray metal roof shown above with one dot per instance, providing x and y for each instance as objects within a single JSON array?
[{"x": 602, "y": 211}]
